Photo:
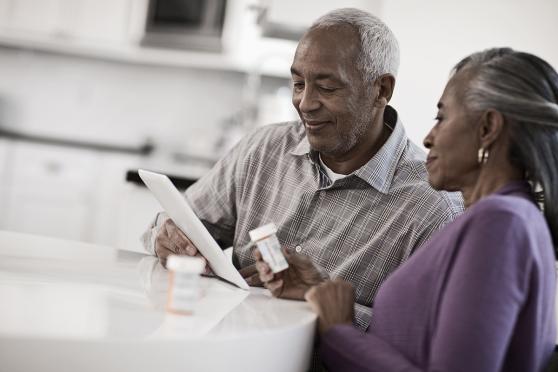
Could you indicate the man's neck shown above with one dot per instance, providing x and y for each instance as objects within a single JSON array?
[{"x": 359, "y": 155}]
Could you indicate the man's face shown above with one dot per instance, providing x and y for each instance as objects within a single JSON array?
[{"x": 329, "y": 94}]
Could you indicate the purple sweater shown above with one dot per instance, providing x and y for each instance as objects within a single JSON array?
[{"x": 477, "y": 297}]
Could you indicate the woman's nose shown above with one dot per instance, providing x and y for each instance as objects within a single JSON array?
[{"x": 427, "y": 142}]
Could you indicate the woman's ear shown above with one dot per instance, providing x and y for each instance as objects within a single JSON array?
[
  {"x": 491, "y": 128},
  {"x": 385, "y": 85}
]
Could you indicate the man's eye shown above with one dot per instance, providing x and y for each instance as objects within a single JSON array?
[
  {"x": 298, "y": 86},
  {"x": 327, "y": 89}
]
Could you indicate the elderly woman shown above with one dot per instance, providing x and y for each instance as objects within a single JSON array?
[{"x": 479, "y": 295}]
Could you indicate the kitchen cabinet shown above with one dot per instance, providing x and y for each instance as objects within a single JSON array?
[
  {"x": 137, "y": 208},
  {"x": 30, "y": 16},
  {"x": 4, "y": 161},
  {"x": 106, "y": 21},
  {"x": 112, "y": 30},
  {"x": 79, "y": 193},
  {"x": 70, "y": 193},
  {"x": 50, "y": 190}
]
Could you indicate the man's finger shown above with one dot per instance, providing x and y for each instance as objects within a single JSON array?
[
  {"x": 254, "y": 281},
  {"x": 163, "y": 251},
  {"x": 175, "y": 234},
  {"x": 190, "y": 250},
  {"x": 274, "y": 286},
  {"x": 257, "y": 254},
  {"x": 310, "y": 294},
  {"x": 207, "y": 269},
  {"x": 264, "y": 271},
  {"x": 248, "y": 271},
  {"x": 310, "y": 297}
]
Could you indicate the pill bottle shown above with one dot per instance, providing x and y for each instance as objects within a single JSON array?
[
  {"x": 184, "y": 286},
  {"x": 265, "y": 239}
]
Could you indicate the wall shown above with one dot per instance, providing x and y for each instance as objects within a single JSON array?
[
  {"x": 119, "y": 103},
  {"x": 435, "y": 34}
]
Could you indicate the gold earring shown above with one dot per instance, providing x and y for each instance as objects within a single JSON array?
[{"x": 482, "y": 156}]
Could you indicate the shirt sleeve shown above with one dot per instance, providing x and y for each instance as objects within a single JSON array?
[
  {"x": 484, "y": 291},
  {"x": 363, "y": 315},
  {"x": 149, "y": 236},
  {"x": 214, "y": 197},
  {"x": 448, "y": 210}
]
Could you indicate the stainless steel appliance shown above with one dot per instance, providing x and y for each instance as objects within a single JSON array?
[{"x": 185, "y": 24}]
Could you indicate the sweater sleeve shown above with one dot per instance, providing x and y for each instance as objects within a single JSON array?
[{"x": 482, "y": 295}]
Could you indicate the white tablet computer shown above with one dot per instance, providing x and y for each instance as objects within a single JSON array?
[{"x": 178, "y": 209}]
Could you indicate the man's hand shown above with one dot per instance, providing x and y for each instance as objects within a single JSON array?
[
  {"x": 251, "y": 275},
  {"x": 171, "y": 240},
  {"x": 293, "y": 282},
  {"x": 333, "y": 301}
]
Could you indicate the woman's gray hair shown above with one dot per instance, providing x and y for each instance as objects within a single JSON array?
[
  {"x": 379, "y": 50},
  {"x": 524, "y": 89}
]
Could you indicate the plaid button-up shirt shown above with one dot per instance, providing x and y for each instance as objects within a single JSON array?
[{"x": 359, "y": 228}]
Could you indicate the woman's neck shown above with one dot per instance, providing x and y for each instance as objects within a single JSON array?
[{"x": 489, "y": 181}]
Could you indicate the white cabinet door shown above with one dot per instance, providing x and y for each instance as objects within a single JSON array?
[
  {"x": 51, "y": 191},
  {"x": 57, "y": 218},
  {"x": 31, "y": 15},
  {"x": 72, "y": 193},
  {"x": 5, "y": 6},
  {"x": 4, "y": 176},
  {"x": 138, "y": 208},
  {"x": 111, "y": 197},
  {"x": 96, "y": 20},
  {"x": 105, "y": 21}
]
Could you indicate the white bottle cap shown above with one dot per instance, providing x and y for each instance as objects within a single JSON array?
[
  {"x": 186, "y": 264},
  {"x": 263, "y": 231}
]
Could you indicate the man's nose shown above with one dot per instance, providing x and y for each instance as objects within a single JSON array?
[{"x": 309, "y": 100}]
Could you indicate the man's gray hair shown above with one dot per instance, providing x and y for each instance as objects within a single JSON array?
[{"x": 379, "y": 50}]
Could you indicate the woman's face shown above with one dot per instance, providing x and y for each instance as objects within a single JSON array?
[{"x": 452, "y": 161}]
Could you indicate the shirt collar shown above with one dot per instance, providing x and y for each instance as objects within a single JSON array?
[
  {"x": 519, "y": 188},
  {"x": 379, "y": 170},
  {"x": 303, "y": 146}
]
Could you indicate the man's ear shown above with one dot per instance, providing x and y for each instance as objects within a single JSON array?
[
  {"x": 491, "y": 128},
  {"x": 384, "y": 87}
]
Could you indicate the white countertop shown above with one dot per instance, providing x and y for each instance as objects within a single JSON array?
[{"x": 75, "y": 306}]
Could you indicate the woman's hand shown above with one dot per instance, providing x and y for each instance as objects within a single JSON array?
[
  {"x": 333, "y": 301},
  {"x": 293, "y": 282}
]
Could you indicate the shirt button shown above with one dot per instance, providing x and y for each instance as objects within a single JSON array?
[{"x": 298, "y": 249}]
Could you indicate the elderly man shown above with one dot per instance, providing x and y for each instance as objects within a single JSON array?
[{"x": 343, "y": 184}]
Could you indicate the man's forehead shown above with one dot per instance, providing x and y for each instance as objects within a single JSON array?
[
  {"x": 322, "y": 51},
  {"x": 345, "y": 36}
]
